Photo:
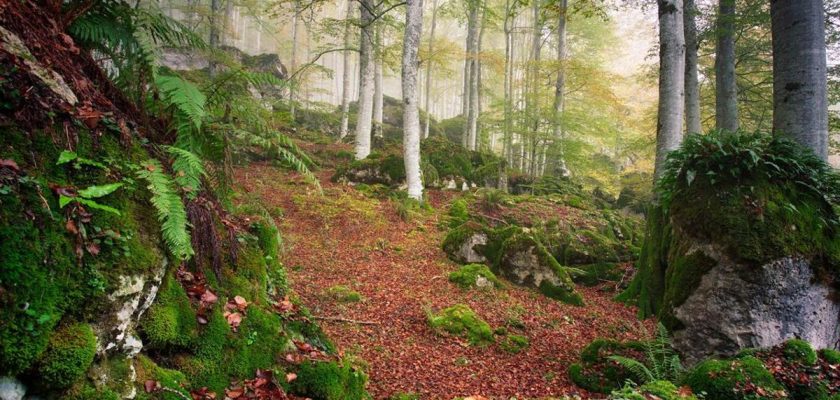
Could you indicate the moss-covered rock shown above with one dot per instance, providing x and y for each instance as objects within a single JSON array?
[
  {"x": 800, "y": 351},
  {"x": 734, "y": 380},
  {"x": 596, "y": 372},
  {"x": 329, "y": 381},
  {"x": 830, "y": 356},
  {"x": 344, "y": 294},
  {"x": 461, "y": 320},
  {"x": 474, "y": 276},
  {"x": 662, "y": 390},
  {"x": 525, "y": 261},
  {"x": 458, "y": 213},
  {"x": 464, "y": 244},
  {"x": 594, "y": 274},
  {"x": 170, "y": 323},
  {"x": 69, "y": 354}
]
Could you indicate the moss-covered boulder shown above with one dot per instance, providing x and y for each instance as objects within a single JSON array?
[
  {"x": 329, "y": 381},
  {"x": 743, "y": 248},
  {"x": 475, "y": 276},
  {"x": 525, "y": 261},
  {"x": 737, "y": 379},
  {"x": 461, "y": 320},
  {"x": 662, "y": 390},
  {"x": 465, "y": 243},
  {"x": 384, "y": 169},
  {"x": 68, "y": 356}
]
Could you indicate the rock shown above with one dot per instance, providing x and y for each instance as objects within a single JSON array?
[
  {"x": 737, "y": 307},
  {"x": 464, "y": 244},
  {"x": 14, "y": 45},
  {"x": 524, "y": 261},
  {"x": 11, "y": 389}
]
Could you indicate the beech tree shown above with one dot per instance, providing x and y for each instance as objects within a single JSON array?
[
  {"x": 347, "y": 71},
  {"x": 693, "y": 122},
  {"x": 671, "y": 80},
  {"x": 726, "y": 88},
  {"x": 411, "y": 115},
  {"x": 366, "y": 81},
  {"x": 800, "y": 104}
]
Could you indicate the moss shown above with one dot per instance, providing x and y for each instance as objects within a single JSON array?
[
  {"x": 171, "y": 321},
  {"x": 458, "y": 213},
  {"x": 799, "y": 351},
  {"x": 269, "y": 240},
  {"x": 405, "y": 396},
  {"x": 456, "y": 237},
  {"x": 344, "y": 294},
  {"x": 68, "y": 356},
  {"x": 461, "y": 320},
  {"x": 684, "y": 274},
  {"x": 596, "y": 372},
  {"x": 733, "y": 380},
  {"x": 88, "y": 392},
  {"x": 594, "y": 274},
  {"x": 514, "y": 343},
  {"x": 329, "y": 381},
  {"x": 662, "y": 390},
  {"x": 468, "y": 276},
  {"x": 168, "y": 378},
  {"x": 830, "y": 356},
  {"x": 589, "y": 247}
]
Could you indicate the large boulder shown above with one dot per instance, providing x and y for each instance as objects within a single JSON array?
[
  {"x": 743, "y": 251},
  {"x": 525, "y": 261},
  {"x": 465, "y": 243}
]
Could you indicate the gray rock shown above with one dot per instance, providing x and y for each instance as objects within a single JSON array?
[
  {"x": 11, "y": 389},
  {"x": 737, "y": 306},
  {"x": 466, "y": 253}
]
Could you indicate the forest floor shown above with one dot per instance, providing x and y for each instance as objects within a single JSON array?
[{"x": 345, "y": 237}]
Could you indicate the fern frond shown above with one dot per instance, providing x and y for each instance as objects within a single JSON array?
[
  {"x": 185, "y": 96},
  {"x": 284, "y": 155},
  {"x": 169, "y": 207},
  {"x": 189, "y": 170},
  {"x": 635, "y": 367}
]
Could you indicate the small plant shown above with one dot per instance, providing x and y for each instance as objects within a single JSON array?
[
  {"x": 87, "y": 195},
  {"x": 663, "y": 363},
  {"x": 68, "y": 156},
  {"x": 170, "y": 209}
]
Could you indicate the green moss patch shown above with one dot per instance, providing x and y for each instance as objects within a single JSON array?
[
  {"x": 474, "y": 275},
  {"x": 329, "y": 381},
  {"x": 344, "y": 294},
  {"x": 662, "y": 390},
  {"x": 514, "y": 343},
  {"x": 734, "y": 380},
  {"x": 461, "y": 320},
  {"x": 68, "y": 356}
]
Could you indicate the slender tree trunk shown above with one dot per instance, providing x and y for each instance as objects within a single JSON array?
[
  {"x": 429, "y": 69},
  {"x": 472, "y": 33},
  {"x": 378, "y": 94},
  {"x": 692, "y": 86},
  {"x": 726, "y": 87},
  {"x": 411, "y": 115},
  {"x": 366, "y": 84},
  {"x": 346, "y": 72},
  {"x": 215, "y": 6},
  {"x": 475, "y": 93},
  {"x": 292, "y": 88},
  {"x": 560, "y": 88},
  {"x": 671, "y": 80},
  {"x": 800, "y": 104},
  {"x": 536, "y": 50},
  {"x": 507, "y": 139}
]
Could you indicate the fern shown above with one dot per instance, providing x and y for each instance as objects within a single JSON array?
[
  {"x": 274, "y": 144},
  {"x": 662, "y": 362},
  {"x": 189, "y": 170},
  {"x": 636, "y": 367},
  {"x": 169, "y": 207},
  {"x": 184, "y": 96}
]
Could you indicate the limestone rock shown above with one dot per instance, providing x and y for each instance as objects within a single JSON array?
[
  {"x": 464, "y": 244},
  {"x": 524, "y": 261},
  {"x": 11, "y": 389}
]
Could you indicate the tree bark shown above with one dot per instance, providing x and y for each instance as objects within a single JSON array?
[
  {"x": 534, "y": 109},
  {"x": 346, "y": 72},
  {"x": 429, "y": 69},
  {"x": 411, "y": 115},
  {"x": 366, "y": 84},
  {"x": 472, "y": 33},
  {"x": 507, "y": 139},
  {"x": 800, "y": 104},
  {"x": 692, "y": 86},
  {"x": 293, "y": 61},
  {"x": 378, "y": 94},
  {"x": 215, "y": 6},
  {"x": 560, "y": 88},
  {"x": 671, "y": 81},
  {"x": 726, "y": 87},
  {"x": 475, "y": 76}
]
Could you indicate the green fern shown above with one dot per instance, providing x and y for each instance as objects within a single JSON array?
[
  {"x": 169, "y": 207},
  {"x": 275, "y": 144},
  {"x": 184, "y": 96},
  {"x": 189, "y": 170},
  {"x": 635, "y": 367},
  {"x": 662, "y": 362}
]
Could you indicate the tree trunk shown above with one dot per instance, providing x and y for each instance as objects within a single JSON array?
[
  {"x": 293, "y": 61},
  {"x": 363, "y": 124},
  {"x": 560, "y": 88},
  {"x": 429, "y": 69},
  {"x": 692, "y": 86},
  {"x": 507, "y": 136},
  {"x": 671, "y": 81},
  {"x": 346, "y": 72},
  {"x": 726, "y": 87},
  {"x": 472, "y": 115},
  {"x": 472, "y": 33},
  {"x": 411, "y": 115},
  {"x": 215, "y": 6},
  {"x": 534, "y": 109},
  {"x": 800, "y": 105},
  {"x": 378, "y": 95}
]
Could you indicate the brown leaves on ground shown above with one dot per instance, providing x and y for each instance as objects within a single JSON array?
[
  {"x": 195, "y": 284},
  {"x": 400, "y": 270}
]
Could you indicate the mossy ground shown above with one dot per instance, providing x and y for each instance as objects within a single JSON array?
[
  {"x": 471, "y": 275},
  {"x": 734, "y": 380},
  {"x": 662, "y": 390},
  {"x": 461, "y": 320}
]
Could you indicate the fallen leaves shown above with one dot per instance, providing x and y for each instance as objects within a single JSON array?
[
  {"x": 233, "y": 312},
  {"x": 195, "y": 284}
]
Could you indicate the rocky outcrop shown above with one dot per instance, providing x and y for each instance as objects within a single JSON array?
[
  {"x": 465, "y": 244},
  {"x": 524, "y": 261},
  {"x": 737, "y": 307}
]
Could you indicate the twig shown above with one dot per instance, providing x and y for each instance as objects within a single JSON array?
[
  {"x": 492, "y": 218},
  {"x": 351, "y": 321},
  {"x": 181, "y": 395}
]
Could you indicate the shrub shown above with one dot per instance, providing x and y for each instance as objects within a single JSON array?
[{"x": 461, "y": 320}]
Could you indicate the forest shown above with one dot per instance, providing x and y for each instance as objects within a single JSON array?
[{"x": 410, "y": 200}]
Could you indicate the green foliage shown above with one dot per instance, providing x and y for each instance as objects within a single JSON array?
[
  {"x": 344, "y": 294},
  {"x": 69, "y": 354},
  {"x": 514, "y": 343},
  {"x": 796, "y": 350},
  {"x": 830, "y": 356},
  {"x": 189, "y": 170},
  {"x": 170, "y": 209},
  {"x": 733, "y": 380},
  {"x": 85, "y": 197},
  {"x": 183, "y": 95},
  {"x": 662, "y": 390},
  {"x": 461, "y": 320},
  {"x": 329, "y": 381},
  {"x": 597, "y": 372},
  {"x": 458, "y": 213},
  {"x": 469, "y": 276},
  {"x": 662, "y": 362}
]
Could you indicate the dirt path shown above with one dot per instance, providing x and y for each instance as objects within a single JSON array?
[{"x": 347, "y": 238}]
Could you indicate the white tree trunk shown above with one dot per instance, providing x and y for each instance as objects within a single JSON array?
[
  {"x": 346, "y": 72},
  {"x": 471, "y": 56},
  {"x": 428, "y": 87},
  {"x": 726, "y": 87},
  {"x": 378, "y": 95},
  {"x": 293, "y": 61},
  {"x": 560, "y": 89},
  {"x": 363, "y": 124},
  {"x": 411, "y": 115},
  {"x": 692, "y": 86},
  {"x": 671, "y": 81},
  {"x": 800, "y": 104}
]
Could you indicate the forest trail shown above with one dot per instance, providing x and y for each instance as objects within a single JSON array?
[{"x": 346, "y": 237}]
